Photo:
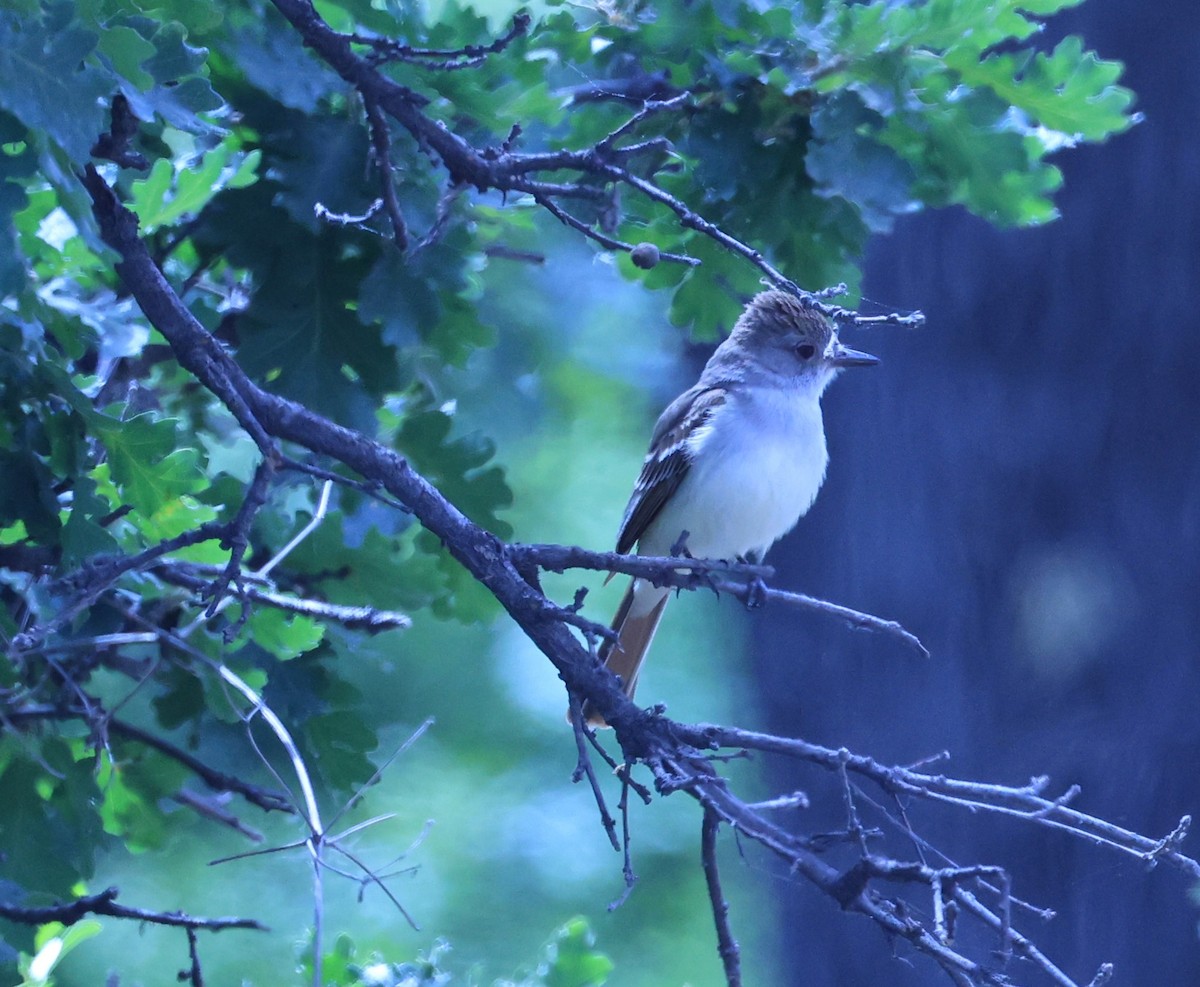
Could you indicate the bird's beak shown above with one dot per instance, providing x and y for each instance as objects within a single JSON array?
[{"x": 843, "y": 356}]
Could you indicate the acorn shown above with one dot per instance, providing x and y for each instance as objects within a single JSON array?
[{"x": 644, "y": 255}]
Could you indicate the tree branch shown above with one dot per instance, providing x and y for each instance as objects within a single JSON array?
[
  {"x": 444, "y": 59},
  {"x": 739, "y": 579},
  {"x": 369, "y": 619},
  {"x": 505, "y": 170},
  {"x": 1026, "y": 802},
  {"x": 105, "y": 903}
]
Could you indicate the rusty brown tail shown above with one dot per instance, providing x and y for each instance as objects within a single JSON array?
[{"x": 635, "y": 631}]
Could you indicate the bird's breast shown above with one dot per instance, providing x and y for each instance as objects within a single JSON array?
[{"x": 756, "y": 469}]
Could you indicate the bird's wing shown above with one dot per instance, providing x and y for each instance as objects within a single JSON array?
[{"x": 668, "y": 460}]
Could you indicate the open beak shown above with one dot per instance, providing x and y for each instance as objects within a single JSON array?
[{"x": 843, "y": 356}]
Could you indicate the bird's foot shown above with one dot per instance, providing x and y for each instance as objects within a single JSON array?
[{"x": 756, "y": 593}]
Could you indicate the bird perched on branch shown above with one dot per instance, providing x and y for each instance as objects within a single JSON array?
[{"x": 735, "y": 461}]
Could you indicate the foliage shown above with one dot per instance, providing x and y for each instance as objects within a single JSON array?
[
  {"x": 569, "y": 959},
  {"x": 806, "y": 128}
]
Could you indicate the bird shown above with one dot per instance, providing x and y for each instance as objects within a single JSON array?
[{"x": 734, "y": 461}]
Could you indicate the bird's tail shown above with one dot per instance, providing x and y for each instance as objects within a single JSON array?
[{"x": 635, "y": 622}]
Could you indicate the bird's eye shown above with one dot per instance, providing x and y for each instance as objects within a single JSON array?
[{"x": 805, "y": 351}]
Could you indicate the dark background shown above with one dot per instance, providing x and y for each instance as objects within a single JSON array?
[{"x": 1019, "y": 483}]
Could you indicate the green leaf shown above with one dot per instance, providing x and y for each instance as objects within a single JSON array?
[
  {"x": 845, "y": 159},
  {"x": 181, "y": 699},
  {"x": 181, "y": 92},
  {"x": 26, "y": 495},
  {"x": 1070, "y": 90},
  {"x": 275, "y": 60},
  {"x": 300, "y": 330},
  {"x": 970, "y": 151},
  {"x": 18, "y": 161},
  {"x": 457, "y": 467},
  {"x": 341, "y": 742},
  {"x": 47, "y": 82},
  {"x": 285, "y": 635},
  {"x": 52, "y": 942},
  {"x": 572, "y": 960},
  {"x": 145, "y": 463},
  {"x": 49, "y": 804},
  {"x": 82, "y": 536},
  {"x": 128, "y": 50},
  {"x": 78, "y": 933},
  {"x": 168, "y": 193},
  {"x": 133, "y": 785}
]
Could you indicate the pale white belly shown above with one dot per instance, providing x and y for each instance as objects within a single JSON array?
[{"x": 757, "y": 470}]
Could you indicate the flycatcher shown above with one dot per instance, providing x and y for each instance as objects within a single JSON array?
[{"x": 735, "y": 461}]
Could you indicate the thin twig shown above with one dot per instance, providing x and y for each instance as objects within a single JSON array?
[
  {"x": 381, "y": 142},
  {"x": 194, "y": 975},
  {"x": 606, "y": 241},
  {"x": 367, "y": 619},
  {"x": 375, "y": 879},
  {"x": 238, "y": 538},
  {"x": 627, "y": 872},
  {"x": 372, "y": 490},
  {"x": 90, "y": 581},
  {"x": 105, "y": 903},
  {"x": 444, "y": 59},
  {"x": 584, "y": 769},
  {"x": 211, "y": 808},
  {"x": 413, "y": 737},
  {"x": 1025, "y": 803},
  {"x": 727, "y": 946},
  {"x": 649, "y": 108},
  {"x": 722, "y": 576},
  {"x": 359, "y": 220},
  {"x": 217, "y": 780}
]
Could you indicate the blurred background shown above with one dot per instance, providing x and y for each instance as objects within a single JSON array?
[{"x": 1019, "y": 483}]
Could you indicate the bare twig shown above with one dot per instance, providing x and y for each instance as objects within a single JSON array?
[
  {"x": 116, "y": 145},
  {"x": 372, "y": 490},
  {"x": 105, "y": 903},
  {"x": 369, "y": 619},
  {"x": 238, "y": 538},
  {"x": 381, "y": 142},
  {"x": 1025, "y": 802},
  {"x": 606, "y": 241},
  {"x": 194, "y": 976},
  {"x": 444, "y": 59},
  {"x": 584, "y": 769},
  {"x": 649, "y": 108},
  {"x": 311, "y": 812},
  {"x": 89, "y": 583},
  {"x": 217, "y": 780},
  {"x": 727, "y": 946},
  {"x": 416, "y": 735},
  {"x": 733, "y": 578},
  {"x": 505, "y": 170},
  {"x": 441, "y": 219},
  {"x": 373, "y": 878},
  {"x": 360, "y": 220},
  {"x": 627, "y": 872},
  {"x": 212, "y": 808}
]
